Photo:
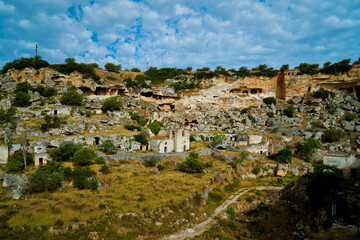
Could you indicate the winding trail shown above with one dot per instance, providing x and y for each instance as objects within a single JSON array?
[{"x": 205, "y": 225}]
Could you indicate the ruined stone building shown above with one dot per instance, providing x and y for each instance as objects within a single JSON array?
[
  {"x": 348, "y": 162},
  {"x": 171, "y": 140}
]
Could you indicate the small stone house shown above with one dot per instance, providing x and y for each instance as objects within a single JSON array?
[
  {"x": 171, "y": 140},
  {"x": 41, "y": 158},
  {"x": 244, "y": 139}
]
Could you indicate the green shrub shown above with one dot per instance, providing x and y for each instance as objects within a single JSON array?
[
  {"x": 141, "y": 120},
  {"x": 83, "y": 171},
  {"x": 112, "y": 67},
  {"x": 218, "y": 138},
  {"x": 256, "y": 170},
  {"x": 322, "y": 93},
  {"x": 209, "y": 164},
  {"x": 84, "y": 156},
  {"x": 349, "y": 116},
  {"x": 16, "y": 162},
  {"x": 332, "y": 135},
  {"x": 50, "y": 122},
  {"x": 305, "y": 68},
  {"x": 155, "y": 127},
  {"x": 285, "y": 155},
  {"x": 80, "y": 181},
  {"x": 160, "y": 167},
  {"x": 269, "y": 100},
  {"x": 71, "y": 97},
  {"x": 151, "y": 162},
  {"x": 105, "y": 169},
  {"x": 270, "y": 114},
  {"x": 7, "y": 116},
  {"x": 245, "y": 111},
  {"x": 337, "y": 68},
  {"x": 306, "y": 149},
  {"x": 70, "y": 66},
  {"x": 44, "y": 180},
  {"x": 66, "y": 151},
  {"x": 45, "y": 92},
  {"x": 110, "y": 78},
  {"x": 317, "y": 124},
  {"x": 108, "y": 147},
  {"x": 111, "y": 104},
  {"x": 280, "y": 181},
  {"x": 192, "y": 164},
  {"x": 231, "y": 212},
  {"x": 100, "y": 160},
  {"x": 132, "y": 127},
  {"x": 252, "y": 119},
  {"x": 22, "y": 63},
  {"x": 289, "y": 111},
  {"x": 215, "y": 197},
  {"x": 141, "y": 138},
  {"x": 21, "y": 99},
  {"x": 67, "y": 173},
  {"x": 135, "y": 69}
]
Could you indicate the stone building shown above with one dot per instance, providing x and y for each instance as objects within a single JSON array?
[
  {"x": 171, "y": 140},
  {"x": 41, "y": 158},
  {"x": 348, "y": 162}
]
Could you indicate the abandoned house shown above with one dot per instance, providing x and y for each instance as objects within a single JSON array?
[{"x": 171, "y": 140}]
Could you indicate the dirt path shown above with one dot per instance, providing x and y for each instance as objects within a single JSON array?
[{"x": 205, "y": 225}]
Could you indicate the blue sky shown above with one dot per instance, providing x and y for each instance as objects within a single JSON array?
[{"x": 178, "y": 33}]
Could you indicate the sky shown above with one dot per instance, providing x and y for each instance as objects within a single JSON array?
[{"x": 179, "y": 33}]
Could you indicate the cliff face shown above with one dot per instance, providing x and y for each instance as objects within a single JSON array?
[{"x": 298, "y": 85}]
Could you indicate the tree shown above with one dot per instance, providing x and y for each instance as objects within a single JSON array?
[
  {"x": 21, "y": 99},
  {"x": 112, "y": 67},
  {"x": 108, "y": 146},
  {"x": 289, "y": 111},
  {"x": 135, "y": 69},
  {"x": 284, "y": 67},
  {"x": 155, "y": 127},
  {"x": 84, "y": 156},
  {"x": 285, "y": 155},
  {"x": 306, "y": 149},
  {"x": 331, "y": 135},
  {"x": 16, "y": 162},
  {"x": 189, "y": 69},
  {"x": 66, "y": 151},
  {"x": 141, "y": 138},
  {"x": 192, "y": 164},
  {"x": 218, "y": 138},
  {"x": 19, "y": 64},
  {"x": 269, "y": 100},
  {"x": 71, "y": 97},
  {"x": 111, "y": 104}
]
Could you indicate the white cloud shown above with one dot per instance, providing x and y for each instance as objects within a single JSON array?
[
  {"x": 24, "y": 23},
  {"x": 337, "y": 22},
  {"x": 6, "y": 8}
]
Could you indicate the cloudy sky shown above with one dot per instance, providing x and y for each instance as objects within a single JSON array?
[{"x": 180, "y": 33}]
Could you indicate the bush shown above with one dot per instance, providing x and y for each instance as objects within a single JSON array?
[
  {"x": 135, "y": 69},
  {"x": 7, "y": 116},
  {"x": 83, "y": 171},
  {"x": 209, "y": 164},
  {"x": 218, "y": 138},
  {"x": 332, "y": 135},
  {"x": 112, "y": 67},
  {"x": 160, "y": 167},
  {"x": 151, "y": 162},
  {"x": 289, "y": 111},
  {"x": 141, "y": 120},
  {"x": 306, "y": 149},
  {"x": 132, "y": 127},
  {"x": 305, "y": 68},
  {"x": 43, "y": 180},
  {"x": 16, "y": 162},
  {"x": 108, "y": 147},
  {"x": 100, "y": 160},
  {"x": 71, "y": 97},
  {"x": 66, "y": 151},
  {"x": 322, "y": 93},
  {"x": 245, "y": 111},
  {"x": 269, "y": 100},
  {"x": 141, "y": 138},
  {"x": 84, "y": 156},
  {"x": 192, "y": 164},
  {"x": 256, "y": 170},
  {"x": 80, "y": 182},
  {"x": 349, "y": 116},
  {"x": 22, "y": 63},
  {"x": 111, "y": 104},
  {"x": 285, "y": 155},
  {"x": 337, "y": 68},
  {"x": 21, "y": 99},
  {"x": 70, "y": 66},
  {"x": 231, "y": 212},
  {"x": 215, "y": 197},
  {"x": 105, "y": 169},
  {"x": 317, "y": 124},
  {"x": 270, "y": 114},
  {"x": 50, "y": 122},
  {"x": 155, "y": 127}
]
